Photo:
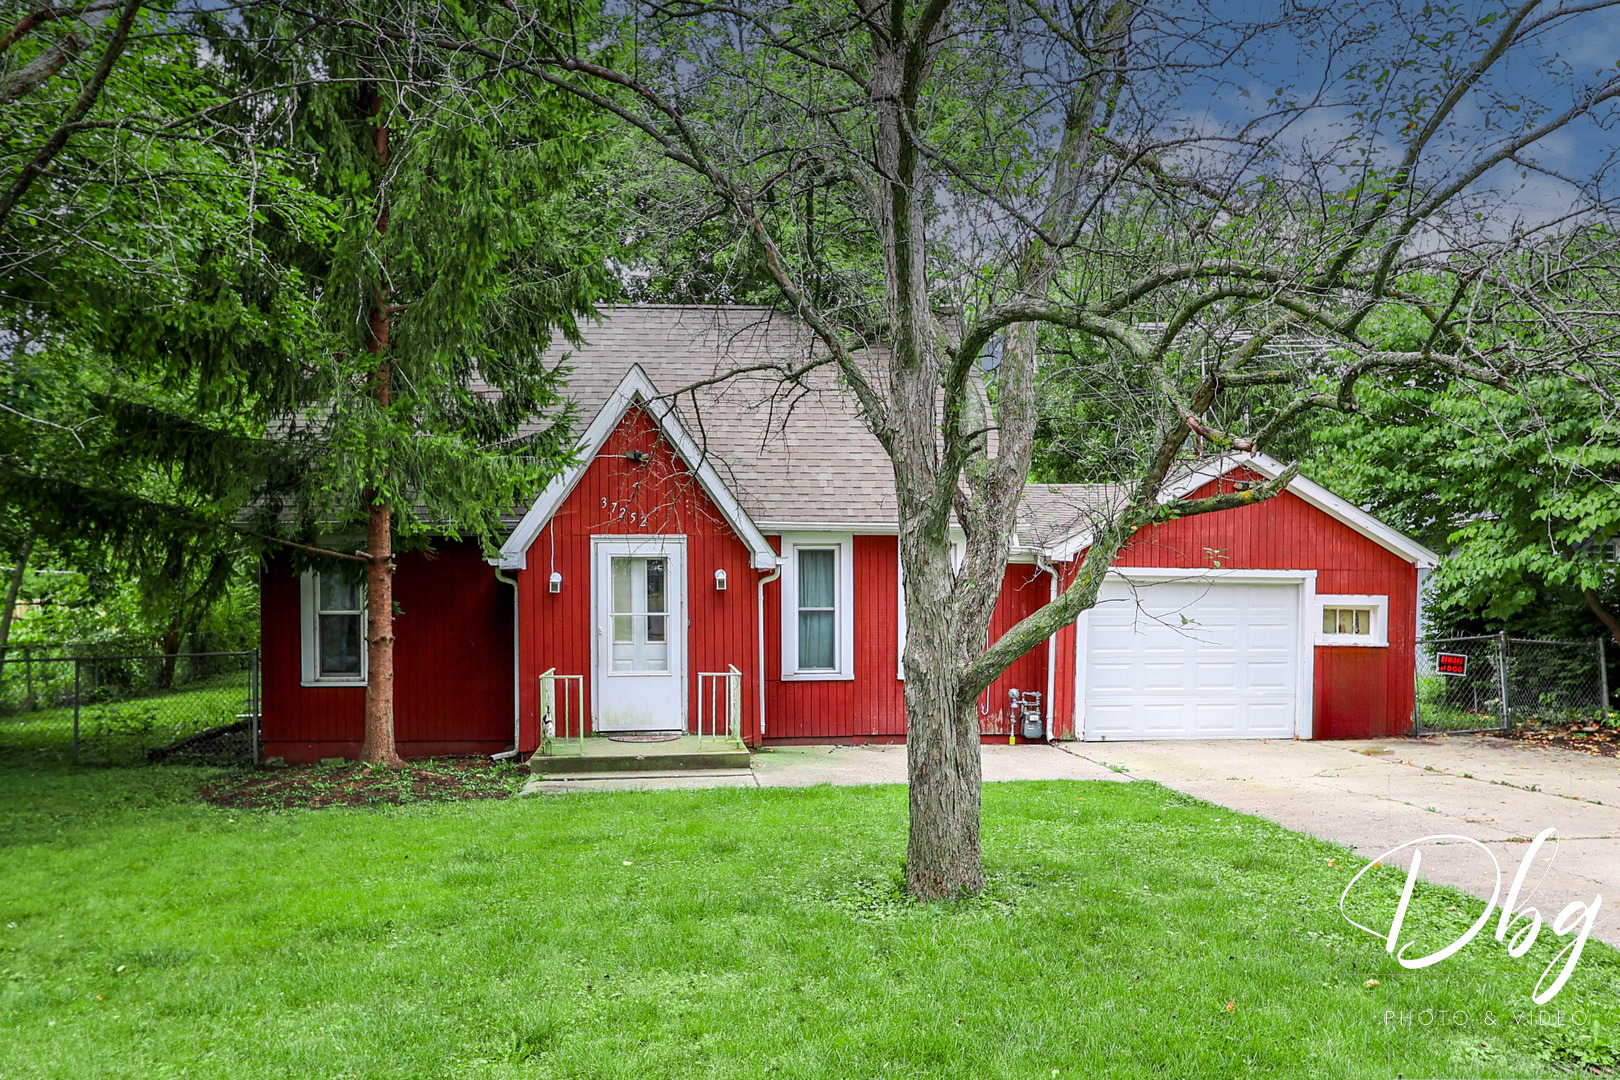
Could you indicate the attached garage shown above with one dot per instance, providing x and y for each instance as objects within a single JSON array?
[{"x": 1196, "y": 657}]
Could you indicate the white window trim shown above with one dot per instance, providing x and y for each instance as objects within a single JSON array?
[
  {"x": 308, "y": 628},
  {"x": 1378, "y": 639},
  {"x": 845, "y": 545}
]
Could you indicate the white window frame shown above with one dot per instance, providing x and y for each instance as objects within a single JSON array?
[
  {"x": 1377, "y": 639},
  {"x": 309, "y": 592},
  {"x": 844, "y": 620}
]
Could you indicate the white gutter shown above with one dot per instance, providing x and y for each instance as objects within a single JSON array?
[
  {"x": 760, "y": 608},
  {"x": 517, "y": 657},
  {"x": 1051, "y": 649}
]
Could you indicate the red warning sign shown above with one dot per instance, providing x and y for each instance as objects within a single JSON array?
[{"x": 1450, "y": 663}]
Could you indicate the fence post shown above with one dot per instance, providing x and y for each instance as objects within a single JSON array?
[
  {"x": 1417, "y": 687},
  {"x": 1603, "y": 677},
  {"x": 1502, "y": 674},
  {"x": 76, "y": 665},
  {"x": 253, "y": 705},
  {"x": 31, "y": 702}
]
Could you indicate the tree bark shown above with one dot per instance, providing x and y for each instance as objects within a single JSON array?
[
  {"x": 169, "y": 644},
  {"x": 13, "y": 587},
  {"x": 377, "y": 747},
  {"x": 1605, "y": 616},
  {"x": 944, "y": 774}
]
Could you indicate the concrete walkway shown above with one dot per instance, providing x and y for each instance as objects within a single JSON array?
[
  {"x": 1374, "y": 795},
  {"x": 805, "y": 766}
]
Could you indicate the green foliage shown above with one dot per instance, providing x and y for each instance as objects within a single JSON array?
[
  {"x": 1521, "y": 492},
  {"x": 450, "y": 185}
]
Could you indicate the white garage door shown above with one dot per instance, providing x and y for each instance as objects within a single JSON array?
[{"x": 1190, "y": 660}]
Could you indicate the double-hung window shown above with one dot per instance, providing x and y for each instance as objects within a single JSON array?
[
  {"x": 818, "y": 599},
  {"x": 333, "y": 636}
]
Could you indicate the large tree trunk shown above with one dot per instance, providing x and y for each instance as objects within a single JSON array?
[
  {"x": 169, "y": 645},
  {"x": 1605, "y": 616},
  {"x": 378, "y": 746},
  {"x": 13, "y": 587},
  {"x": 943, "y": 769}
]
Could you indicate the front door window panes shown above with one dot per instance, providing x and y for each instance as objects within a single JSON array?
[{"x": 640, "y": 615}]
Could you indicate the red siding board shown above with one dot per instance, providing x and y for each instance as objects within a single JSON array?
[
  {"x": 453, "y": 664},
  {"x": 618, "y": 497},
  {"x": 1024, "y": 589}
]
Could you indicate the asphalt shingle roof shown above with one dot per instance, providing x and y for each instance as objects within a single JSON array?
[{"x": 793, "y": 453}]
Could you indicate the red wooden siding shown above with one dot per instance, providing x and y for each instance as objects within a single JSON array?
[
  {"x": 1024, "y": 589},
  {"x": 453, "y": 664},
  {"x": 870, "y": 706},
  {"x": 618, "y": 497},
  {"x": 1359, "y": 692}
]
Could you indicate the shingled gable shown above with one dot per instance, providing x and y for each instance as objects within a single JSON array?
[
  {"x": 1054, "y": 521},
  {"x": 635, "y": 389}
]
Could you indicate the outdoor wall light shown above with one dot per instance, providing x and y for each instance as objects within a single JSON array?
[
  {"x": 719, "y": 581},
  {"x": 556, "y": 581}
]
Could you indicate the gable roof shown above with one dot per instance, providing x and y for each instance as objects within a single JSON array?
[
  {"x": 1060, "y": 518},
  {"x": 635, "y": 389},
  {"x": 779, "y": 456},
  {"x": 792, "y": 454}
]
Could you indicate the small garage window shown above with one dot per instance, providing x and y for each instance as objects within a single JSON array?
[{"x": 1353, "y": 620}]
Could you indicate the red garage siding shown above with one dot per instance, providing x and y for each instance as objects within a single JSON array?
[
  {"x": 452, "y": 663},
  {"x": 1359, "y": 692},
  {"x": 1025, "y": 587},
  {"x": 618, "y": 497}
]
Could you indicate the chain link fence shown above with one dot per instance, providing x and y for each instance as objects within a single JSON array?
[
  {"x": 127, "y": 709},
  {"x": 1494, "y": 683}
]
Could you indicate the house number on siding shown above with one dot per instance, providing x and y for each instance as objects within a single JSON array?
[{"x": 622, "y": 510}]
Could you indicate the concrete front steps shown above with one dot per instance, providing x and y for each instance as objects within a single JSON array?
[{"x": 603, "y": 757}]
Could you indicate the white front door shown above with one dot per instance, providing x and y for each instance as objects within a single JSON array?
[
  {"x": 1192, "y": 660},
  {"x": 640, "y": 647}
]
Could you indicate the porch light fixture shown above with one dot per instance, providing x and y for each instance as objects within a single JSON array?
[
  {"x": 556, "y": 581},
  {"x": 719, "y": 581}
]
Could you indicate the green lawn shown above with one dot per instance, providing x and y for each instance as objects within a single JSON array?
[
  {"x": 116, "y": 726},
  {"x": 1129, "y": 932}
]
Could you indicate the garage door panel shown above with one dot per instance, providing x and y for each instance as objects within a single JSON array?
[
  {"x": 1171, "y": 660},
  {"x": 1215, "y": 676}
]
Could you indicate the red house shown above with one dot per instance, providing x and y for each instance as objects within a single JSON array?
[{"x": 724, "y": 553}]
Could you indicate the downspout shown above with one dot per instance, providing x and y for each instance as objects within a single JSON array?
[
  {"x": 517, "y": 663},
  {"x": 1045, "y": 564},
  {"x": 760, "y": 609}
]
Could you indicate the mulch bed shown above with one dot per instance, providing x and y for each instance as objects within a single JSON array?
[
  {"x": 314, "y": 787},
  {"x": 1588, "y": 738}
]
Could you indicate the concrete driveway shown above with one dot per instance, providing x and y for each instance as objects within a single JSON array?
[{"x": 1374, "y": 795}]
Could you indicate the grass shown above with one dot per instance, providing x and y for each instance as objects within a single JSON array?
[
  {"x": 1127, "y": 932},
  {"x": 116, "y": 728}
]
